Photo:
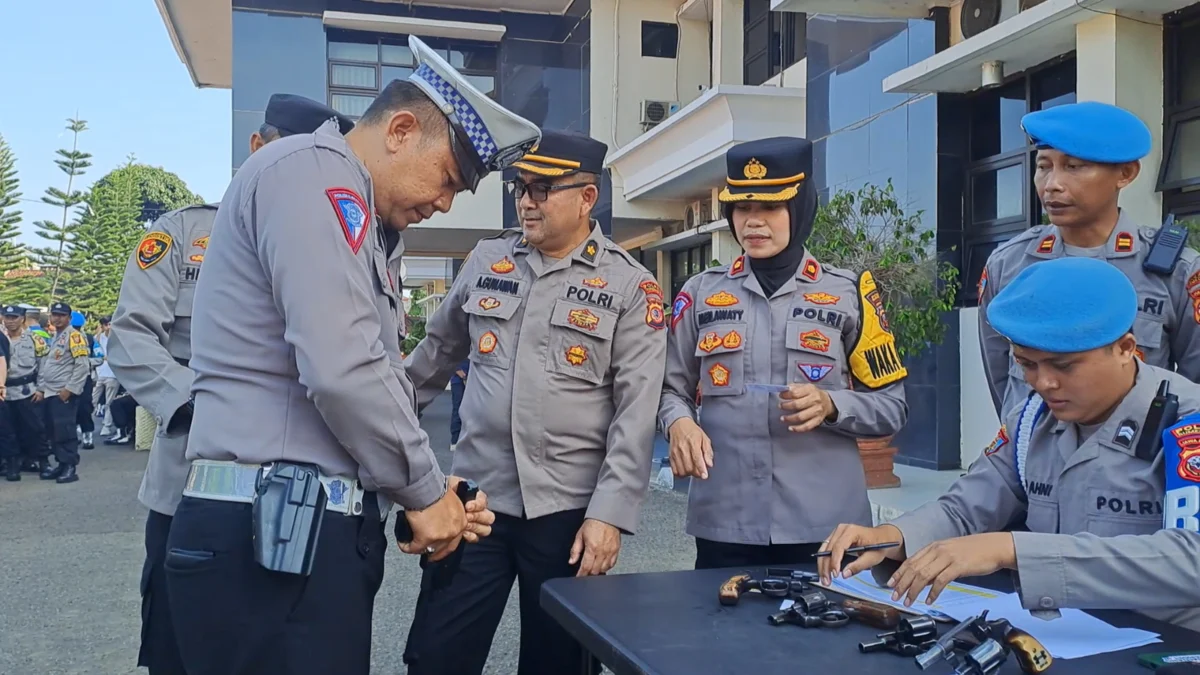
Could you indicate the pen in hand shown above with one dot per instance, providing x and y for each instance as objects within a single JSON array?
[{"x": 859, "y": 549}]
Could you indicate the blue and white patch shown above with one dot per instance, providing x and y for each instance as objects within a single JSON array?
[
  {"x": 337, "y": 492},
  {"x": 814, "y": 372},
  {"x": 352, "y": 213}
]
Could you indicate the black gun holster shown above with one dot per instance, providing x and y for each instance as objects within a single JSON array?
[{"x": 289, "y": 507}]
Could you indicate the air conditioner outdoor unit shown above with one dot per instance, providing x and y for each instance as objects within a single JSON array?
[
  {"x": 654, "y": 112},
  {"x": 699, "y": 213}
]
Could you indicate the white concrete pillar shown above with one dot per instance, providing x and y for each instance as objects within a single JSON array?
[
  {"x": 1120, "y": 61},
  {"x": 727, "y": 42},
  {"x": 724, "y": 246},
  {"x": 663, "y": 261}
]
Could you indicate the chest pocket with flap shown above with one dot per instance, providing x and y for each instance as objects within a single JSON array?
[
  {"x": 493, "y": 333},
  {"x": 581, "y": 340},
  {"x": 815, "y": 354},
  {"x": 721, "y": 350}
]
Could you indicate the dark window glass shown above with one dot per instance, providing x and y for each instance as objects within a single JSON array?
[
  {"x": 660, "y": 40},
  {"x": 758, "y": 70},
  {"x": 1055, "y": 86},
  {"x": 757, "y": 35},
  {"x": 1187, "y": 61},
  {"x": 996, "y": 121},
  {"x": 997, "y": 194},
  {"x": 1183, "y": 158}
]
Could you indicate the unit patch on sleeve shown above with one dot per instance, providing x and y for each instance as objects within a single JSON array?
[
  {"x": 577, "y": 355},
  {"x": 487, "y": 343},
  {"x": 822, "y": 298},
  {"x": 503, "y": 266},
  {"x": 656, "y": 316},
  {"x": 77, "y": 344},
  {"x": 153, "y": 248},
  {"x": 650, "y": 287},
  {"x": 722, "y": 299},
  {"x": 352, "y": 214},
  {"x": 983, "y": 279},
  {"x": 682, "y": 302},
  {"x": 719, "y": 375},
  {"x": 875, "y": 361},
  {"x": 998, "y": 442}
]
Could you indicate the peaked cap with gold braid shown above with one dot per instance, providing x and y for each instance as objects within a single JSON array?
[
  {"x": 562, "y": 153},
  {"x": 769, "y": 170}
]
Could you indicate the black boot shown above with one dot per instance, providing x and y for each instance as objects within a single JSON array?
[
  {"x": 68, "y": 475},
  {"x": 12, "y": 469},
  {"x": 49, "y": 473}
]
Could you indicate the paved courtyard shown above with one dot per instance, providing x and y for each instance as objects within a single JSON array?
[{"x": 71, "y": 555}]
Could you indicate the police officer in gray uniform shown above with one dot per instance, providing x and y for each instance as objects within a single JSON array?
[
  {"x": 25, "y": 417},
  {"x": 1087, "y": 153},
  {"x": 1080, "y": 460},
  {"x": 305, "y": 428},
  {"x": 149, "y": 352},
  {"x": 793, "y": 361},
  {"x": 61, "y": 378},
  {"x": 565, "y": 333}
]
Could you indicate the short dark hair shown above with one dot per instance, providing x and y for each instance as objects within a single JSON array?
[
  {"x": 404, "y": 95},
  {"x": 268, "y": 133}
]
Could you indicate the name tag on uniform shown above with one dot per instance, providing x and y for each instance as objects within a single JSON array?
[{"x": 1181, "y": 461}]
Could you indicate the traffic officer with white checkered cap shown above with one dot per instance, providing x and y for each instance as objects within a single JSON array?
[
  {"x": 149, "y": 351},
  {"x": 304, "y": 430},
  {"x": 1087, "y": 153},
  {"x": 1110, "y": 498}
]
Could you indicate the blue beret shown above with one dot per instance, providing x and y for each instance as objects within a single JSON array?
[
  {"x": 1065, "y": 306},
  {"x": 1091, "y": 131}
]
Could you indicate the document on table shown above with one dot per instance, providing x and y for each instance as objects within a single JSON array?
[{"x": 1073, "y": 635}]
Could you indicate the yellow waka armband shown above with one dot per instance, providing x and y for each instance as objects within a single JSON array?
[
  {"x": 78, "y": 345},
  {"x": 875, "y": 361}
]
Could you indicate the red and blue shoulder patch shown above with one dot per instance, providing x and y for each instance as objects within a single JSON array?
[
  {"x": 352, "y": 213},
  {"x": 682, "y": 302}
]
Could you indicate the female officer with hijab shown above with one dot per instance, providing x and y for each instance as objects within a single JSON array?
[{"x": 792, "y": 361}]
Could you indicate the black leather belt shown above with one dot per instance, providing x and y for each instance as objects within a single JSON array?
[{"x": 22, "y": 380}]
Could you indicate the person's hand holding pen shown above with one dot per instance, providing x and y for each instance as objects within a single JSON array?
[{"x": 845, "y": 537}]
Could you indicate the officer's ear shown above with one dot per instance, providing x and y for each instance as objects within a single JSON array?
[
  {"x": 404, "y": 126},
  {"x": 590, "y": 194},
  {"x": 1126, "y": 347},
  {"x": 1127, "y": 173},
  {"x": 256, "y": 142}
]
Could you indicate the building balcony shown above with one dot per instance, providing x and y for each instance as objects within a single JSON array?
[
  {"x": 903, "y": 9},
  {"x": 1014, "y": 44},
  {"x": 683, "y": 157}
]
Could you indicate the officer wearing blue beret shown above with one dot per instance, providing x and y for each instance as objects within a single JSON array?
[
  {"x": 1076, "y": 459},
  {"x": 1087, "y": 153}
]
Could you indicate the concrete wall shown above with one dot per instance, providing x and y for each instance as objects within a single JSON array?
[{"x": 978, "y": 420}]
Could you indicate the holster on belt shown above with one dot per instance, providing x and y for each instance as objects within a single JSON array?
[{"x": 288, "y": 510}]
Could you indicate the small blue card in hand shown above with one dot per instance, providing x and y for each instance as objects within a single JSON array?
[{"x": 768, "y": 388}]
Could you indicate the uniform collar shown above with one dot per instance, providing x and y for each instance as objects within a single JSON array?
[
  {"x": 592, "y": 248},
  {"x": 808, "y": 271},
  {"x": 1122, "y": 243},
  {"x": 1130, "y": 413}
]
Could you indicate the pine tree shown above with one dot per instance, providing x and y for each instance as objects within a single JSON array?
[
  {"x": 12, "y": 252},
  {"x": 109, "y": 229},
  {"x": 72, "y": 162}
]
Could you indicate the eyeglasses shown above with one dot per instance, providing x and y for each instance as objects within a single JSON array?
[{"x": 539, "y": 192}]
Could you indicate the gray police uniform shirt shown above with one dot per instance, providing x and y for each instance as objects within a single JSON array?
[
  {"x": 66, "y": 366},
  {"x": 27, "y": 352},
  {"x": 316, "y": 375},
  {"x": 151, "y": 341},
  {"x": 1167, "y": 320},
  {"x": 567, "y": 361},
  {"x": 826, "y": 326},
  {"x": 1080, "y": 498}
]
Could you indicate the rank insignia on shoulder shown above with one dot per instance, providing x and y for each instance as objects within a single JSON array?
[
  {"x": 590, "y": 251},
  {"x": 719, "y": 375},
  {"x": 595, "y": 282},
  {"x": 815, "y": 340},
  {"x": 815, "y": 372},
  {"x": 1126, "y": 433},
  {"x": 352, "y": 213},
  {"x": 197, "y": 258},
  {"x": 487, "y": 343},
  {"x": 811, "y": 270},
  {"x": 503, "y": 266},
  {"x": 1124, "y": 242},
  {"x": 577, "y": 355},
  {"x": 202, "y": 242},
  {"x": 656, "y": 317},
  {"x": 722, "y": 299},
  {"x": 998, "y": 442},
  {"x": 732, "y": 340},
  {"x": 489, "y": 303},
  {"x": 153, "y": 248},
  {"x": 651, "y": 288},
  {"x": 583, "y": 318},
  {"x": 738, "y": 265},
  {"x": 822, "y": 298},
  {"x": 681, "y": 304},
  {"x": 1047, "y": 244}
]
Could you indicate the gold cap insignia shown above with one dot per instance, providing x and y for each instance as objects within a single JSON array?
[{"x": 755, "y": 170}]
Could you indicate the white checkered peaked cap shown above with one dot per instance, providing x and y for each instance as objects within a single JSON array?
[{"x": 485, "y": 137}]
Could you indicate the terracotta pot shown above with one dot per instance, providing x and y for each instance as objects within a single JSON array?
[{"x": 877, "y": 459}]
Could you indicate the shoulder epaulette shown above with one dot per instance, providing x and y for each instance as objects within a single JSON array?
[{"x": 1027, "y": 235}]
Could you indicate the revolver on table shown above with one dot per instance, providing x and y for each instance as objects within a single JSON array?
[
  {"x": 778, "y": 583},
  {"x": 986, "y": 645}
]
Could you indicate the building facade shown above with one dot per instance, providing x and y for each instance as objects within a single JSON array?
[{"x": 918, "y": 92}]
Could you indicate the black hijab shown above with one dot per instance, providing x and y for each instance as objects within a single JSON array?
[{"x": 772, "y": 273}]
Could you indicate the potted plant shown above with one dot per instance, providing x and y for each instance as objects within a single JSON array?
[{"x": 869, "y": 229}]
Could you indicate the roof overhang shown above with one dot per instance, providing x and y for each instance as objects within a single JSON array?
[
  {"x": 524, "y": 6},
  {"x": 407, "y": 25},
  {"x": 202, "y": 34},
  {"x": 1027, "y": 39},
  {"x": 900, "y": 9},
  {"x": 684, "y": 156}
]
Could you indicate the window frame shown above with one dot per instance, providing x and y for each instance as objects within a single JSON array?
[
  {"x": 783, "y": 23},
  {"x": 437, "y": 44},
  {"x": 1176, "y": 111}
]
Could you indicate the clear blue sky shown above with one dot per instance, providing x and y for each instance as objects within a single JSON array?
[{"x": 113, "y": 63}]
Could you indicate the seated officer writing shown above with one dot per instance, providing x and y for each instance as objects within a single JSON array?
[{"x": 1076, "y": 460}]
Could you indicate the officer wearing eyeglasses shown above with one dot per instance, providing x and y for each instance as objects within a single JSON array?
[{"x": 564, "y": 331}]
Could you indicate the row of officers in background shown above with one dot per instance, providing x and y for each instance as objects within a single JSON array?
[
  {"x": 48, "y": 380},
  {"x": 762, "y": 375}
]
